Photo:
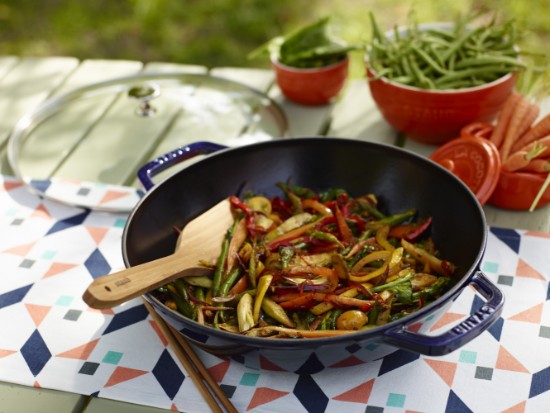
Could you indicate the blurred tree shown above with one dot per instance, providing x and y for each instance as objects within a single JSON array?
[{"x": 221, "y": 32}]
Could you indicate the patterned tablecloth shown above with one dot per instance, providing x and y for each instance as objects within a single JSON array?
[{"x": 50, "y": 252}]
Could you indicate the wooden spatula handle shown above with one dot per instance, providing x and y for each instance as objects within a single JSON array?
[{"x": 114, "y": 289}]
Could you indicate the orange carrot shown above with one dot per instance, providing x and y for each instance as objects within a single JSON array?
[
  {"x": 238, "y": 239},
  {"x": 537, "y": 165},
  {"x": 240, "y": 286},
  {"x": 540, "y": 142},
  {"x": 529, "y": 118},
  {"x": 504, "y": 118},
  {"x": 537, "y": 131},
  {"x": 512, "y": 130},
  {"x": 520, "y": 159}
]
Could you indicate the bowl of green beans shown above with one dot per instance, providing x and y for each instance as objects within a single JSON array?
[{"x": 429, "y": 80}]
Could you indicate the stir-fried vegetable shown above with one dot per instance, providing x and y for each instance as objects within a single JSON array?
[
  {"x": 327, "y": 264},
  {"x": 460, "y": 57}
]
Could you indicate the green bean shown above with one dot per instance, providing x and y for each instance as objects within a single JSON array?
[
  {"x": 436, "y": 58},
  {"x": 426, "y": 58},
  {"x": 415, "y": 71},
  {"x": 423, "y": 80},
  {"x": 199, "y": 294},
  {"x": 406, "y": 80},
  {"x": 440, "y": 34},
  {"x": 451, "y": 63},
  {"x": 396, "y": 219},
  {"x": 228, "y": 282},
  {"x": 181, "y": 298},
  {"x": 377, "y": 33},
  {"x": 366, "y": 234},
  {"x": 489, "y": 60},
  {"x": 462, "y": 74},
  {"x": 435, "y": 53},
  {"x": 459, "y": 84},
  {"x": 457, "y": 44},
  {"x": 218, "y": 273}
]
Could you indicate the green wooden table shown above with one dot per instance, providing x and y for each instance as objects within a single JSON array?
[{"x": 25, "y": 83}]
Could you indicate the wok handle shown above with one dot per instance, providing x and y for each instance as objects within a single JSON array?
[
  {"x": 460, "y": 334},
  {"x": 163, "y": 162}
]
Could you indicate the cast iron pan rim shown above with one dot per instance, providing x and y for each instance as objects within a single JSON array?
[{"x": 259, "y": 342}]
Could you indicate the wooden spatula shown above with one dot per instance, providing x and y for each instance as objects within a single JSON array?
[{"x": 201, "y": 239}]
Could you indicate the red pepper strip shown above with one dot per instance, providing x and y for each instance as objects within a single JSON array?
[
  {"x": 360, "y": 222},
  {"x": 281, "y": 207},
  {"x": 343, "y": 301},
  {"x": 477, "y": 129},
  {"x": 410, "y": 231},
  {"x": 328, "y": 274},
  {"x": 303, "y": 301},
  {"x": 327, "y": 224},
  {"x": 347, "y": 208},
  {"x": 250, "y": 224},
  {"x": 274, "y": 245},
  {"x": 318, "y": 247},
  {"x": 343, "y": 228},
  {"x": 294, "y": 233},
  {"x": 324, "y": 222},
  {"x": 448, "y": 267},
  {"x": 282, "y": 294},
  {"x": 342, "y": 198},
  {"x": 420, "y": 230}
]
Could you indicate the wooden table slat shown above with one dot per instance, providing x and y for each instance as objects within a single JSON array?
[{"x": 27, "y": 85}]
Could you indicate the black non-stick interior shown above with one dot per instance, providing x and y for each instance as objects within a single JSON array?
[{"x": 400, "y": 179}]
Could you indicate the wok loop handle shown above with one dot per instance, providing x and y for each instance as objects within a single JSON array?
[
  {"x": 460, "y": 334},
  {"x": 163, "y": 162}
]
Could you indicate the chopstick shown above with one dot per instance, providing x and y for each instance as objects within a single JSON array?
[{"x": 207, "y": 386}]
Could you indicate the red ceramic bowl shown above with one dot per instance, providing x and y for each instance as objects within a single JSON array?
[
  {"x": 517, "y": 190},
  {"x": 315, "y": 86},
  {"x": 436, "y": 116}
]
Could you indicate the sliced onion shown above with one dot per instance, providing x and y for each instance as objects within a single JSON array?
[{"x": 223, "y": 299}]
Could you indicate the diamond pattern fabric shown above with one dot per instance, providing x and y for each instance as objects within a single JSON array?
[{"x": 49, "y": 253}]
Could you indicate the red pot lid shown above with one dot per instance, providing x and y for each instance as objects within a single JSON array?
[{"x": 474, "y": 160}]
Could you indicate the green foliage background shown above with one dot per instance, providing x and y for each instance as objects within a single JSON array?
[{"x": 222, "y": 32}]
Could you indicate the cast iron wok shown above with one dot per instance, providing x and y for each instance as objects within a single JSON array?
[{"x": 400, "y": 179}]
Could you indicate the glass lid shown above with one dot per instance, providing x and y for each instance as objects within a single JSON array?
[{"x": 84, "y": 148}]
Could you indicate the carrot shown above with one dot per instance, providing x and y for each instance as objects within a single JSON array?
[
  {"x": 240, "y": 286},
  {"x": 537, "y": 131},
  {"x": 238, "y": 239},
  {"x": 517, "y": 160},
  {"x": 537, "y": 165},
  {"x": 504, "y": 118},
  {"x": 540, "y": 142},
  {"x": 512, "y": 130},
  {"x": 529, "y": 118},
  {"x": 521, "y": 159}
]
